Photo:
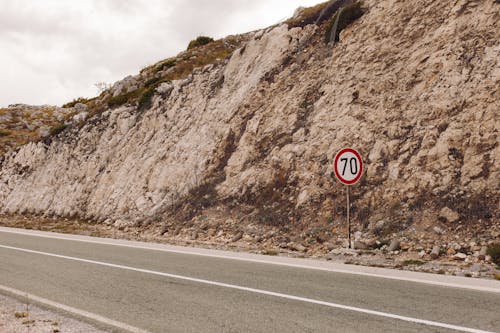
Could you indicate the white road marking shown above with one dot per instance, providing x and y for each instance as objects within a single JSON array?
[
  {"x": 416, "y": 277},
  {"x": 257, "y": 291},
  {"x": 79, "y": 313}
]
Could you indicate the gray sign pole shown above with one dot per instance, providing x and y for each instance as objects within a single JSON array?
[
  {"x": 348, "y": 167},
  {"x": 348, "y": 220}
]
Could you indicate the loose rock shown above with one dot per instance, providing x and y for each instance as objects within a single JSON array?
[
  {"x": 460, "y": 256},
  {"x": 436, "y": 250},
  {"x": 449, "y": 215},
  {"x": 237, "y": 237},
  {"x": 394, "y": 246}
]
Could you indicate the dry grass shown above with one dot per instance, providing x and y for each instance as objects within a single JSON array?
[
  {"x": 307, "y": 16},
  {"x": 176, "y": 68},
  {"x": 15, "y": 129}
]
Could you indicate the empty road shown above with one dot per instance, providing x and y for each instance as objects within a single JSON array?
[{"x": 140, "y": 287}]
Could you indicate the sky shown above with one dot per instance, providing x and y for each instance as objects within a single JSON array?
[{"x": 52, "y": 51}]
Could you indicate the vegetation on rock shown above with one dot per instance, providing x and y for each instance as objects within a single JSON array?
[
  {"x": 200, "y": 41},
  {"x": 494, "y": 252},
  {"x": 71, "y": 104},
  {"x": 341, "y": 19}
]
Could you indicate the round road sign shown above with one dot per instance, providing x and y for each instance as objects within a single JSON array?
[{"x": 348, "y": 166}]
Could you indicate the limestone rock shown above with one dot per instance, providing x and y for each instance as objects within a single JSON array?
[
  {"x": 259, "y": 130},
  {"x": 436, "y": 250},
  {"x": 460, "y": 256},
  {"x": 449, "y": 215},
  {"x": 394, "y": 245}
]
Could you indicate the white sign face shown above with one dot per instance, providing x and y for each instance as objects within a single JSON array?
[{"x": 348, "y": 166}]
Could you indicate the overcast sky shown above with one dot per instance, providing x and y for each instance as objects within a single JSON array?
[{"x": 52, "y": 51}]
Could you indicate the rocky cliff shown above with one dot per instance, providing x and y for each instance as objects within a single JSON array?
[{"x": 250, "y": 139}]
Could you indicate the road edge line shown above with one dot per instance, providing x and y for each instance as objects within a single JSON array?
[
  {"x": 230, "y": 256},
  {"x": 92, "y": 317},
  {"x": 258, "y": 291}
]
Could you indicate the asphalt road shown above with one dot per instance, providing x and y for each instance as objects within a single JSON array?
[{"x": 162, "y": 291}]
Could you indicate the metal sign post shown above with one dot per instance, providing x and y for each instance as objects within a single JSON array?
[
  {"x": 348, "y": 167},
  {"x": 348, "y": 220}
]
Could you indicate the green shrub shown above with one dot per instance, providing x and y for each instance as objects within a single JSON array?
[
  {"x": 122, "y": 99},
  {"x": 4, "y": 133},
  {"x": 75, "y": 102},
  {"x": 152, "y": 81},
  {"x": 341, "y": 19},
  {"x": 146, "y": 99},
  {"x": 165, "y": 65},
  {"x": 58, "y": 129},
  {"x": 494, "y": 251},
  {"x": 200, "y": 41}
]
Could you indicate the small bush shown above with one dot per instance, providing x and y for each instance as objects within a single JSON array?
[
  {"x": 165, "y": 65},
  {"x": 271, "y": 217},
  {"x": 200, "y": 41},
  {"x": 494, "y": 251},
  {"x": 413, "y": 262},
  {"x": 345, "y": 16},
  {"x": 152, "y": 82},
  {"x": 307, "y": 16},
  {"x": 58, "y": 129},
  {"x": 4, "y": 133},
  {"x": 122, "y": 99},
  {"x": 146, "y": 99},
  {"x": 75, "y": 102}
]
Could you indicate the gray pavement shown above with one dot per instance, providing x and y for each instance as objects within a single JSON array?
[{"x": 158, "y": 303}]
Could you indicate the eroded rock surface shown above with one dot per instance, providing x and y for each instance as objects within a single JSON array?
[{"x": 412, "y": 85}]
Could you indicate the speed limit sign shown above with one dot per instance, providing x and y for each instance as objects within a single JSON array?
[{"x": 348, "y": 166}]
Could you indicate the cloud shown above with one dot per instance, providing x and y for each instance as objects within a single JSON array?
[{"x": 56, "y": 50}]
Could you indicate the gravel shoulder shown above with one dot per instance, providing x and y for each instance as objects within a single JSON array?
[
  {"x": 424, "y": 250},
  {"x": 22, "y": 317}
]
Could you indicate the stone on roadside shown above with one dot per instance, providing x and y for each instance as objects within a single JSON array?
[
  {"x": 460, "y": 256},
  {"x": 344, "y": 252},
  {"x": 248, "y": 238},
  {"x": 435, "y": 252},
  {"x": 237, "y": 237},
  {"x": 359, "y": 245},
  {"x": 329, "y": 246},
  {"x": 482, "y": 253},
  {"x": 163, "y": 230},
  {"x": 449, "y": 215},
  {"x": 394, "y": 246},
  {"x": 298, "y": 247},
  {"x": 376, "y": 226},
  {"x": 438, "y": 230}
]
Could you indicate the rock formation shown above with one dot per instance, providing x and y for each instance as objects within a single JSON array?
[{"x": 413, "y": 85}]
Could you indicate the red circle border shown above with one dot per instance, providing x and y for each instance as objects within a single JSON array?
[{"x": 339, "y": 177}]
